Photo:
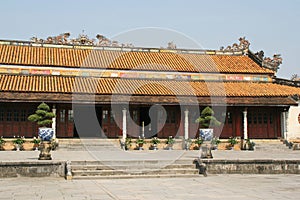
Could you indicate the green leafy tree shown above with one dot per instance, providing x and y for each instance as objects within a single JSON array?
[
  {"x": 43, "y": 116},
  {"x": 207, "y": 118}
]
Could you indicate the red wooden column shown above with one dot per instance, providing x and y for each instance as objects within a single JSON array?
[{"x": 237, "y": 122}]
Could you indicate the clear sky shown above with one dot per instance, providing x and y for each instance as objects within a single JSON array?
[{"x": 269, "y": 25}]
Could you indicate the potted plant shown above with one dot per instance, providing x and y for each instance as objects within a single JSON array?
[
  {"x": 2, "y": 142},
  {"x": 207, "y": 120},
  {"x": 187, "y": 143},
  {"x": 232, "y": 141},
  {"x": 154, "y": 142},
  {"x": 18, "y": 142},
  {"x": 249, "y": 145},
  {"x": 170, "y": 141},
  {"x": 215, "y": 142},
  {"x": 36, "y": 142},
  {"x": 128, "y": 143},
  {"x": 43, "y": 117},
  {"x": 140, "y": 142},
  {"x": 198, "y": 141}
]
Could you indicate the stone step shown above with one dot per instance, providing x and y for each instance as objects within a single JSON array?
[
  {"x": 133, "y": 162},
  {"x": 131, "y": 172},
  {"x": 137, "y": 176},
  {"x": 133, "y": 168},
  {"x": 128, "y": 167},
  {"x": 272, "y": 147},
  {"x": 90, "y": 144}
]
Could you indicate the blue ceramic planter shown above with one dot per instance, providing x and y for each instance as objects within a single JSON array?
[{"x": 46, "y": 134}]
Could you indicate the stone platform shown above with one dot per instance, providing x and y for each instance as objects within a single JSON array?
[{"x": 88, "y": 162}]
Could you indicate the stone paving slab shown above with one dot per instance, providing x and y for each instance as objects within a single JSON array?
[
  {"x": 147, "y": 155},
  {"x": 212, "y": 187}
]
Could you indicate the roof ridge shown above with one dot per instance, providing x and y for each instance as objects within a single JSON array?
[{"x": 230, "y": 52}]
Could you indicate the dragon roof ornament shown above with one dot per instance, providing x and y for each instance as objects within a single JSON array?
[
  {"x": 82, "y": 39},
  {"x": 269, "y": 63},
  {"x": 242, "y": 46},
  {"x": 272, "y": 63}
]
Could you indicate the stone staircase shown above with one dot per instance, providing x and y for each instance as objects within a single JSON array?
[
  {"x": 271, "y": 145},
  {"x": 89, "y": 144},
  {"x": 133, "y": 169}
]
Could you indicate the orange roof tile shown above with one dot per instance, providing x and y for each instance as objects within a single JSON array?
[
  {"x": 60, "y": 84},
  {"x": 105, "y": 59}
]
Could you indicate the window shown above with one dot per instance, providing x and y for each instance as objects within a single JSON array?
[
  {"x": 229, "y": 118},
  {"x": 23, "y": 115},
  {"x": 112, "y": 116},
  {"x": 9, "y": 115},
  {"x": 1, "y": 114},
  {"x": 16, "y": 115},
  {"x": 62, "y": 115},
  {"x": 249, "y": 118},
  {"x": 259, "y": 118},
  {"x": 171, "y": 117},
  {"x": 254, "y": 119},
  {"x": 271, "y": 118},
  {"x": 265, "y": 118},
  {"x": 105, "y": 116},
  {"x": 70, "y": 116}
]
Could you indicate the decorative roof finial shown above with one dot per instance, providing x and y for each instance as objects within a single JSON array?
[
  {"x": 242, "y": 46},
  {"x": 272, "y": 64},
  {"x": 82, "y": 39}
]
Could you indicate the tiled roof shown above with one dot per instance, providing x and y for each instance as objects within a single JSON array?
[
  {"x": 85, "y": 85},
  {"x": 108, "y": 59}
]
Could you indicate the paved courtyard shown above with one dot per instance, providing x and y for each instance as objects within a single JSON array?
[
  {"x": 211, "y": 187},
  {"x": 281, "y": 186}
]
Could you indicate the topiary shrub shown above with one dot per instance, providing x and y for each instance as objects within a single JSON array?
[
  {"x": 43, "y": 115},
  {"x": 207, "y": 118}
]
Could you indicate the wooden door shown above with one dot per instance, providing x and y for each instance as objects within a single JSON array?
[
  {"x": 14, "y": 122},
  {"x": 64, "y": 122},
  {"x": 110, "y": 121},
  {"x": 172, "y": 122},
  {"x": 228, "y": 125},
  {"x": 262, "y": 123}
]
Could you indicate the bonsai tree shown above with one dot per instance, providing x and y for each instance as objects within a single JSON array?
[
  {"x": 43, "y": 116},
  {"x": 207, "y": 118}
]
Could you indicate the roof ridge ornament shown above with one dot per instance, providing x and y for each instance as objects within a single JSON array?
[
  {"x": 242, "y": 46},
  {"x": 82, "y": 39},
  {"x": 295, "y": 77},
  {"x": 272, "y": 63},
  {"x": 267, "y": 62}
]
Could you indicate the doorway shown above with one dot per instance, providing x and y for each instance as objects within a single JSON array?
[{"x": 148, "y": 117}]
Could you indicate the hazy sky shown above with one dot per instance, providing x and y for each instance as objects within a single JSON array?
[{"x": 272, "y": 26}]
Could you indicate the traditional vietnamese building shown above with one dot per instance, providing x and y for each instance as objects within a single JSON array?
[{"x": 108, "y": 90}]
